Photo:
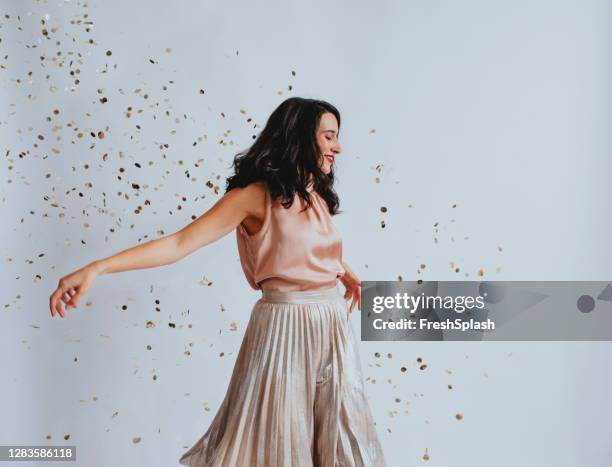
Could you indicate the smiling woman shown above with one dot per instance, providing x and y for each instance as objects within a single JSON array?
[
  {"x": 297, "y": 391},
  {"x": 296, "y": 395},
  {"x": 327, "y": 138}
]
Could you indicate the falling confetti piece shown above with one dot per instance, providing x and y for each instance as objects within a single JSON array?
[{"x": 136, "y": 439}]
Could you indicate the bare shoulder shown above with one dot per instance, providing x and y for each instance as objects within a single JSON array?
[{"x": 252, "y": 198}]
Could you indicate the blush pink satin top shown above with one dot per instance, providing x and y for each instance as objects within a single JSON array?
[{"x": 292, "y": 250}]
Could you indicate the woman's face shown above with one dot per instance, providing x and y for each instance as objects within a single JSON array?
[{"x": 327, "y": 139}]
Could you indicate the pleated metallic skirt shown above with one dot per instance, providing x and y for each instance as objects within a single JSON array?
[{"x": 296, "y": 396}]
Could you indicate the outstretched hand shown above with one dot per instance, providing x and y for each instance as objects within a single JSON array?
[
  {"x": 352, "y": 284},
  {"x": 70, "y": 289}
]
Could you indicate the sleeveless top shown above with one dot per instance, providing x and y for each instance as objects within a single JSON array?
[{"x": 293, "y": 250}]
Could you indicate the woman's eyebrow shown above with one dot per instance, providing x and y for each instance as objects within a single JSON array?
[{"x": 329, "y": 131}]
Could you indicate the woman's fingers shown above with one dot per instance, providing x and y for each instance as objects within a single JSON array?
[
  {"x": 70, "y": 289},
  {"x": 56, "y": 305},
  {"x": 353, "y": 293},
  {"x": 51, "y": 306},
  {"x": 77, "y": 296},
  {"x": 353, "y": 302},
  {"x": 62, "y": 295},
  {"x": 66, "y": 297},
  {"x": 73, "y": 296}
]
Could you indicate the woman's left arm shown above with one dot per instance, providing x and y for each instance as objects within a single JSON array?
[{"x": 353, "y": 287}]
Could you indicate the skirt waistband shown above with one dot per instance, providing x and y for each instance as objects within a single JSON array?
[{"x": 301, "y": 296}]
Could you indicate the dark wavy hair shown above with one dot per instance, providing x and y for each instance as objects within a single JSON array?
[{"x": 286, "y": 155}]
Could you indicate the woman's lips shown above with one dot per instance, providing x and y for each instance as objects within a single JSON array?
[{"x": 330, "y": 159}]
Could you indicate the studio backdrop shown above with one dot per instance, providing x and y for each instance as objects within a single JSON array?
[{"x": 476, "y": 146}]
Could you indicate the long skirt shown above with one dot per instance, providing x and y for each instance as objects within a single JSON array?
[{"x": 296, "y": 397}]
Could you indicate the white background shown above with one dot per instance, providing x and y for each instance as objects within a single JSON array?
[{"x": 502, "y": 108}]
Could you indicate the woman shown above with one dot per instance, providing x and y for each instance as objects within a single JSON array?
[{"x": 296, "y": 396}]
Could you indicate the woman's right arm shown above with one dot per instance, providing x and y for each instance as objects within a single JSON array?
[{"x": 215, "y": 223}]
